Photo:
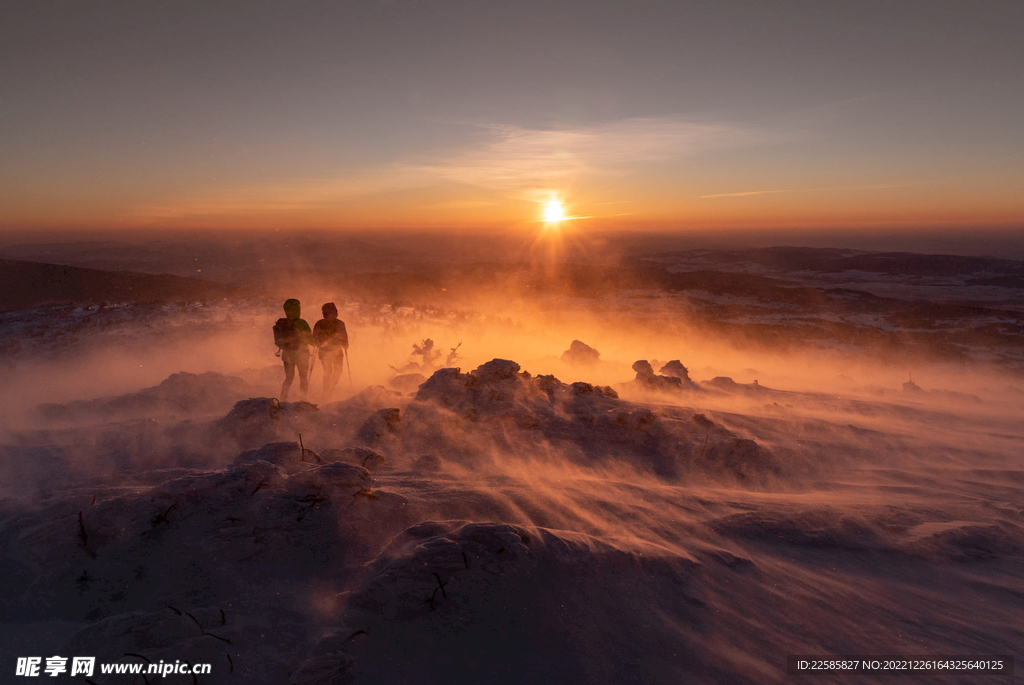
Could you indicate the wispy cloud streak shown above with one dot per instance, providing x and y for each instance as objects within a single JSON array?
[
  {"x": 515, "y": 158},
  {"x": 512, "y": 161},
  {"x": 800, "y": 190}
]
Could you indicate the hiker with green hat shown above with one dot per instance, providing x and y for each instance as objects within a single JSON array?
[{"x": 293, "y": 336}]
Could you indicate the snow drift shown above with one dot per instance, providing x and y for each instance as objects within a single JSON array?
[{"x": 499, "y": 526}]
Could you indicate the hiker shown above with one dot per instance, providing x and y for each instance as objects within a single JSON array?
[
  {"x": 293, "y": 336},
  {"x": 332, "y": 338}
]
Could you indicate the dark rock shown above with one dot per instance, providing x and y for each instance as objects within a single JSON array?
[{"x": 581, "y": 354}]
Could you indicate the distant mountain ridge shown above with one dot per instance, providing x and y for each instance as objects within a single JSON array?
[
  {"x": 832, "y": 260},
  {"x": 29, "y": 284},
  {"x": 236, "y": 259}
]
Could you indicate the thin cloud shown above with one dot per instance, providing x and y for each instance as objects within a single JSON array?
[
  {"x": 524, "y": 163},
  {"x": 277, "y": 199},
  {"x": 513, "y": 158},
  {"x": 747, "y": 193},
  {"x": 572, "y": 218}
]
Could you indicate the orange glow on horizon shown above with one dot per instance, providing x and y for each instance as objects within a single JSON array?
[{"x": 623, "y": 204}]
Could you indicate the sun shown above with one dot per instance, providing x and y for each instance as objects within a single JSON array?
[{"x": 553, "y": 211}]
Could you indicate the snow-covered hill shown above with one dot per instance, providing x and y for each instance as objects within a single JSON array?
[{"x": 499, "y": 526}]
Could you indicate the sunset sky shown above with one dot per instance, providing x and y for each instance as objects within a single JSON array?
[{"x": 446, "y": 114}]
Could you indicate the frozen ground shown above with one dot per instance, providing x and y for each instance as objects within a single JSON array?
[
  {"x": 503, "y": 522},
  {"x": 503, "y": 527}
]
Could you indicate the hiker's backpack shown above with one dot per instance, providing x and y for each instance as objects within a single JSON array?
[{"x": 285, "y": 335}]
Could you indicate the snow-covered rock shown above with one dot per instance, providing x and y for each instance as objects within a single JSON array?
[
  {"x": 580, "y": 354},
  {"x": 496, "y": 409}
]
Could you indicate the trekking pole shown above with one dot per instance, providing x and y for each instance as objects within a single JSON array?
[
  {"x": 312, "y": 363},
  {"x": 349, "y": 367}
]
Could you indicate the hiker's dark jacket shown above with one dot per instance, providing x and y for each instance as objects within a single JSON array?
[{"x": 331, "y": 335}]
